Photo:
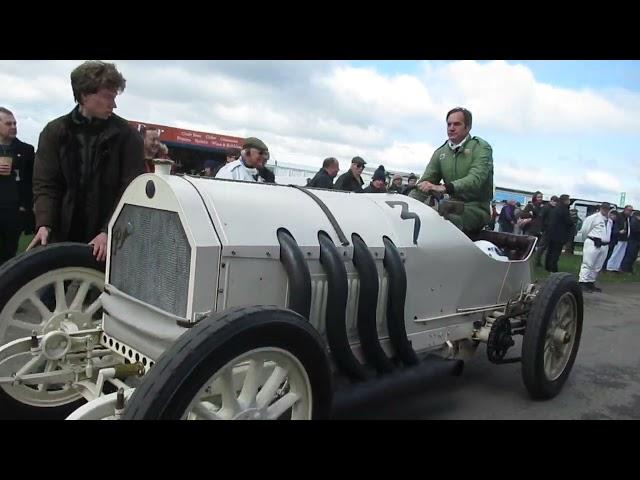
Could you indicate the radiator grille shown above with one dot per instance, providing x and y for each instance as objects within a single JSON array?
[{"x": 150, "y": 258}]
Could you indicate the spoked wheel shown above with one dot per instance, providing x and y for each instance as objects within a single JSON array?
[
  {"x": 263, "y": 384},
  {"x": 552, "y": 336},
  {"x": 256, "y": 363},
  {"x": 39, "y": 290}
]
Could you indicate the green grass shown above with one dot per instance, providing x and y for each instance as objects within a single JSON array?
[
  {"x": 571, "y": 264},
  {"x": 24, "y": 242}
]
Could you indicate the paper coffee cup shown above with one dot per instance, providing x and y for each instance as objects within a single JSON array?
[{"x": 7, "y": 161}]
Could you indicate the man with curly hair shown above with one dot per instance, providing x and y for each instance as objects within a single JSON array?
[{"x": 84, "y": 162}]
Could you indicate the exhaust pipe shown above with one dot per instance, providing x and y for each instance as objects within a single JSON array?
[{"x": 407, "y": 381}]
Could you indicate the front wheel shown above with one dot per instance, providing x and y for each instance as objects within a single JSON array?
[
  {"x": 552, "y": 336},
  {"x": 39, "y": 290},
  {"x": 250, "y": 363}
]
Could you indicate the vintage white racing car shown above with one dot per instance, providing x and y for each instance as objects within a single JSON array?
[{"x": 231, "y": 300}]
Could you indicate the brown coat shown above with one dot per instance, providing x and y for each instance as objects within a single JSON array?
[{"x": 120, "y": 159}]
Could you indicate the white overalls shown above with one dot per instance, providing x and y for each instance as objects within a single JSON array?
[{"x": 594, "y": 226}]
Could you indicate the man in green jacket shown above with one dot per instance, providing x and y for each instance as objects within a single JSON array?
[{"x": 465, "y": 165}]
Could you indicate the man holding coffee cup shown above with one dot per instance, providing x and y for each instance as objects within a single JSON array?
[{"x": 16, "y": 199}]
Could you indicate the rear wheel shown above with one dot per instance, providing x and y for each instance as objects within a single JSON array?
[{"x": 552, "y": 336}]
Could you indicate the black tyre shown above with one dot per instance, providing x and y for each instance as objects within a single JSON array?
[
  {"x": 74, "y": 268},
  {"x": 207, "y": 353},
  {"x": 552, "y": 336}
]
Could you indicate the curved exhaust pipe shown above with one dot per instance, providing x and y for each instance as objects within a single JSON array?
[
  {"x": 297, "y": 270},
  {"x": 369, "y": 290},
  {"x": 395, "y": 303},
  {"x": 335, "y": 319}
]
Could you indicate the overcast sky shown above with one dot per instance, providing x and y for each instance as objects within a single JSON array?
[{"x": 558, "y": 126}]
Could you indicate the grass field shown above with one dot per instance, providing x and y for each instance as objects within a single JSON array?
[
  {"x": 24, "y": 242},
  {"x": 567, "y": 263},
  {"x": 571, "y": 264}
]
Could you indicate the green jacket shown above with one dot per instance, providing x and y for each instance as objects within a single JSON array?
[{"x": 469, "y": 171}]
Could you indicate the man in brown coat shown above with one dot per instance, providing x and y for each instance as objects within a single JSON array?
[{"x": 85, "y": 161}]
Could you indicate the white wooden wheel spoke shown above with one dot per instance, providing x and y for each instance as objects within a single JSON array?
[
  {"x": 567, "y": 323},
  {"x": 203, "y": 411},
  {"x": 270, "y": 387},
  {"x": 80, "y": 296},
  {"x": 61, "y": 300},
  {"x": 227, "y": 390},
  {"x": 50, "y": 367},
  {"x": 26, "y": 326},
  {"x": 34, "y": 306},
  {"x": 556, "y": 353},
  {"x": 94, "y": 307},
  {"x": 45, "y": 313},
  {"x": 282, "y": 405},
  {"x": 248, "y": 387},
  {"x": 548, "y": 356},
  {"x": 31, "y": 365},
  {"x": 251, "y": 384}
]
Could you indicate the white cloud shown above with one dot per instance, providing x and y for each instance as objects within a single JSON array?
[
  {"x": 590, "y": 184},
  {"x": 306, "y": 111},
  {"x": 402, "y": 96},
  {"x": 508, "y": 97}
]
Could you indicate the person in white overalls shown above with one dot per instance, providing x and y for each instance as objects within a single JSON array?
[
  {"x": 613, "y": 265},
  {"x": 596, "y": 231}
]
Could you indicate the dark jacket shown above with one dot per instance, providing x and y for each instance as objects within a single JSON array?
[
  {"x": 534, "y": 212},
  {"x": 506, "y": 219},
  {"x": 634, "y": 228},
  {"x": 18, "y": 193},
  {"x": 393, "y": 188},
  {"x": 321, "y": 180},
  {"x": 16, "y": 190},
  {"x": 372, "y": 189},
  {"x": 407, "y": 190},
  {"x": 349, "y": 183},
  {"x": 560, "y": 224},
  {"x": 544, "y": 216},
  {"x": 118, "y": 159},
  {"x": 621, "y": 225},
  {"x": 267, "y": 174}
]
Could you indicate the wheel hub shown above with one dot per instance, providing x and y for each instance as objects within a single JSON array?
[
  {"x": 55, "y": 345},
  {"x": 561, "y": 337},
  {"x": 81, "y": 320},
  {"x": 500, "y": 340}
]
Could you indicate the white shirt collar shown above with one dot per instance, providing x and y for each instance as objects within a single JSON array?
[{"x": 454, "y": 147}]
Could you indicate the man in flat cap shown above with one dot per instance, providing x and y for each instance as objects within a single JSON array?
[
  {"x": 253, "y": 157},
  {"x": 596, "y": 232},
  {"x": 351, "y": 180}
]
